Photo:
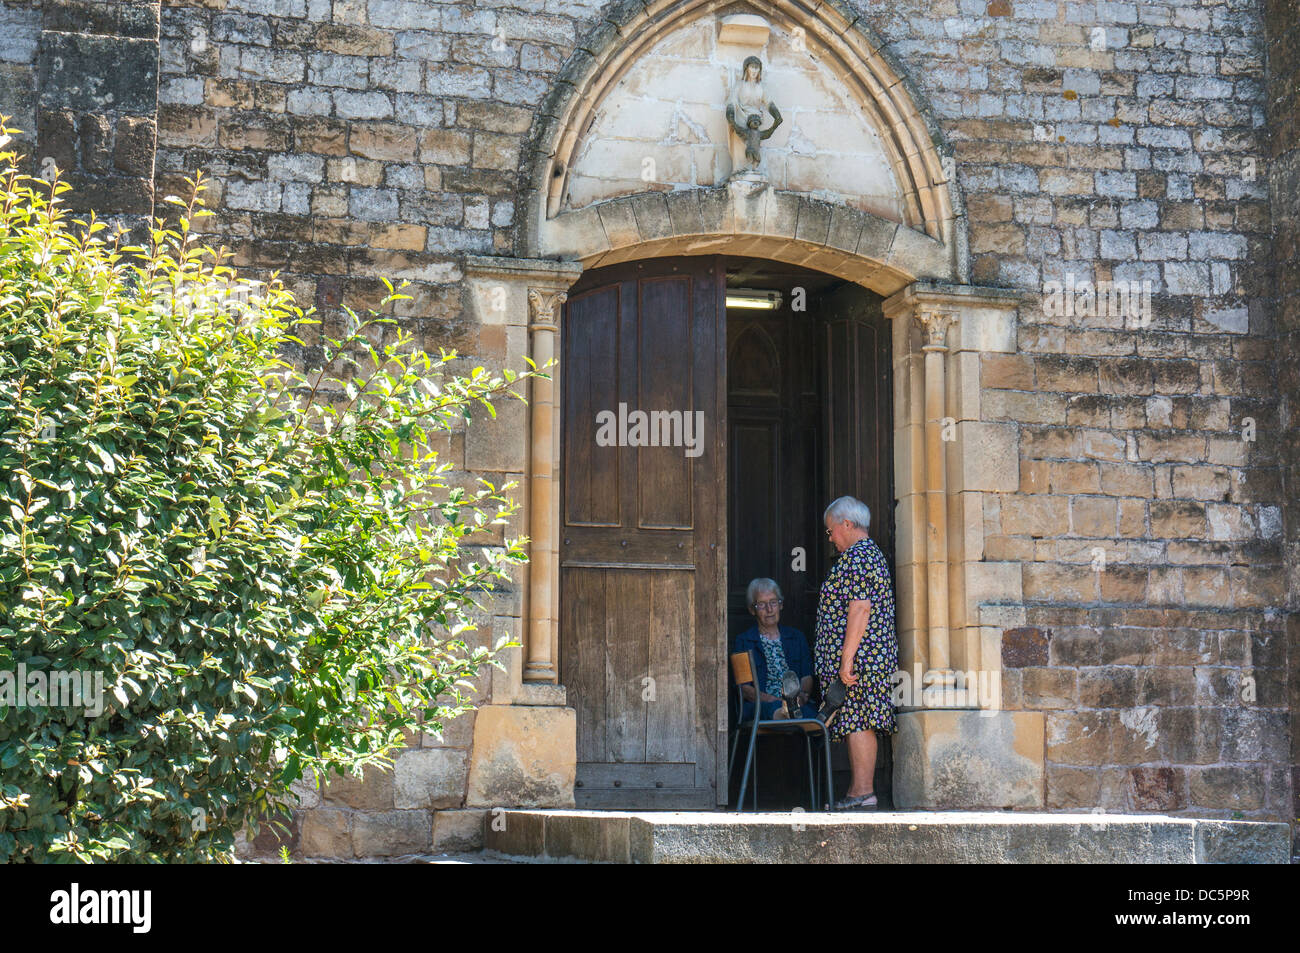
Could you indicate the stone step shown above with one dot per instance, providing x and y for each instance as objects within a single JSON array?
[{"x": 955, "y": 837}]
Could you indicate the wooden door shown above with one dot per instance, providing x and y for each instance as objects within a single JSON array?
[
  {"x": 859, "y": 427},
  {"x": 774, "y": 423},
  {"x": 643, "y": 540}
]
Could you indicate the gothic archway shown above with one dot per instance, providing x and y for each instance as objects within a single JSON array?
[
  {"x": 913, "y": 252},
  {"x": 828, "y": 33}
]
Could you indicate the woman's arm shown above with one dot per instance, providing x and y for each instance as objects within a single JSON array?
[
  {"x": 747, "y": 692},
  {"x": 859, "y": 615}
]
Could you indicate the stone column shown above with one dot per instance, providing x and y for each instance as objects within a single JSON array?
[
  {"x": 524, "y": 749},
  {"x": 955, "y": 747},
  {"x": 939, "y": 678},
  {"x": 543, "y": 490}
]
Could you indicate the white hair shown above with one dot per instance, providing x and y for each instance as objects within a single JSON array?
[
  {"x": 852, "y": 509},
  {"x": 760, "y": 585}
]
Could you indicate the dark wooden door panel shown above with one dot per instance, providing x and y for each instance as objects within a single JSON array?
[
  {"x": 583, "y": 664},
  {"x": 642, "y": 547},
  {"x": 664, "y": 328},
  {"x": 859, "y": 410},
  {"x": 755, "y": 512},
  {"x": 590, "y": 474},
  {"x": 773, "y": 414}
]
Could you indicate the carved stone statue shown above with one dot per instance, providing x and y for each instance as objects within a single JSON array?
[{"x": 745, "y": 110}]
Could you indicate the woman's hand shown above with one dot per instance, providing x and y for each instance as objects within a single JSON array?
[{"x": 846, "y": 673}]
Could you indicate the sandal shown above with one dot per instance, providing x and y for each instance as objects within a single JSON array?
[
  {"x": 790, "y": 692},
  {"x": 863, "y": 802},
  {"x": 832, "y": 701}
]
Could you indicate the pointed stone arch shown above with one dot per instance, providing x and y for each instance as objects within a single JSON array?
[{"x": 920, "y": 160}]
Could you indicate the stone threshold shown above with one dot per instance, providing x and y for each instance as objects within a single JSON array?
[{"x": 954, "y": 837}]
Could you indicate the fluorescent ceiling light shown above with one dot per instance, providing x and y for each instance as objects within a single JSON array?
[{"x": 753, "y": 298}]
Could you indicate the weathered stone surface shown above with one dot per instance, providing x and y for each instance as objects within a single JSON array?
[
  {"x": 95, "y": 73},
  {"x": 373, "y": 791},
  {"x": 1156, "y": 789},
  {"x": 455, "y": 831},
  {"x": 1025, "y": 647},
  {"x": 430, "y": 778},
  {"x": 129, "y": 18},
  {"x": 523, "y": 756},
  {"x": 1236, "y": 842},
  {"x": 387, "y": 833},
  {"x": 957, "y": 837},
  {"x": 326, "y": 833},
  {"x": 520, "y": 833},
  {"x": 20, "y": 32},
  {"x": 133, "y": 146},
  {"x": 968, "y": 759},
  {"x": 498, "y": 444}
]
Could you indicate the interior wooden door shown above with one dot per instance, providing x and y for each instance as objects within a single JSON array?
[
  {"x": 859, "y": 417},
  {"x": 775, "y": 505},
  {"x": 643, "y": 537}
]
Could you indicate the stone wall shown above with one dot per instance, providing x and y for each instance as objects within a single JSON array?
[
  {"x": 354, "y": 139},
  {"x": 80, "y": 78},
  {"x": 1282, "y": 18},
  {"x": 1127, "y": 142},
  {"x": 20, "y": 34}
]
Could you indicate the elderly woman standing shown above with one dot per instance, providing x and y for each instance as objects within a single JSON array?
[{"x": 856, "y": 641}]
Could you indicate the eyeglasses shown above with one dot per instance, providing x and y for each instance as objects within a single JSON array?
[{"x": 770, "y": 604}]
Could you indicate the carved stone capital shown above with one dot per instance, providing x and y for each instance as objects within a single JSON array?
[
  {"x": 935, "y": 324},
  {"x": 542, "y": 305}
]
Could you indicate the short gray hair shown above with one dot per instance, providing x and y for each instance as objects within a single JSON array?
[
  {"x": 760, "y": 585},
  {"x": 852, "y": 509}
]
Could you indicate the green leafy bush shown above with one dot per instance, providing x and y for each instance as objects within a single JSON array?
[{"x": 269, "y": 569}]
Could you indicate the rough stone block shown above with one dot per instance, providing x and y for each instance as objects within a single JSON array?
[
  {"x": 1240, "y": 842},
  {"x": 1024, "y": 647},
  {"x": 430, "y": 778},
  {"x": 373, "y": 791},
  {"x": 326, "y": 833},
  {"x": 498, "y": 444},
  {"x": 389, "y": 833},
  {"x": 523, "y": 756},
  {"x": 455, "y": 831},
  {"x": 517, "y": 833},
  {"x": 968, "y": 759},
  {"x": 1156, "y": 789},
  {"x": 133, "y": 146}
]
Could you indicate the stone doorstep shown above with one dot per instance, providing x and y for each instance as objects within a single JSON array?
[{"x": 884, "y": 837}]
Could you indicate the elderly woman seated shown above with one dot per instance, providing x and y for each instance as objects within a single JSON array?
[{"x": 775, "y": 649}]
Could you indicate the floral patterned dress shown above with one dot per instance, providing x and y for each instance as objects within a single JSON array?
[{"x": 860, "y": 573}]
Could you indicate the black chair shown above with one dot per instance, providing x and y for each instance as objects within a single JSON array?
[{"x": 742, "y": 673}]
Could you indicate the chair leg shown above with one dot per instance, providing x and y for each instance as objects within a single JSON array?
[
  {"x": 830, "y": 778},
  {"x": 744, "y": 779},
  {"x": 812, "y": 778}
]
